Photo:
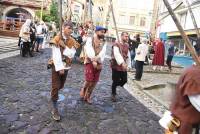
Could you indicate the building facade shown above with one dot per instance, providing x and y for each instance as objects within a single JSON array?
[
  {"x": 132, "y": 16},
  {"x": 167, "y": 25},
  {"x": 13, "y": 13}
]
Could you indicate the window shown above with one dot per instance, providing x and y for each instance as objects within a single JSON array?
[
  {"x": 124, "y": 20},
  {"x": 76, "y": 8},
  {"x": 123, "y": 3},
  {"x": 132, "y": 20},
  {"x": 143, "y": 21}
]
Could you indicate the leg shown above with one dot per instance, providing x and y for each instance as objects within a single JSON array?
[
  {"x": 63, "y": 79},
  {"x": 139, "y": 70},
  {"x": 56, "y": 84},
  {"x": 29, "y": 49},
  {"x": 123, "y": 78},
  {"x": 170, "y": 62},
  {"x": 90, "y": 90},
  {"x": 19, "y": 41},
  {"x": 116, "y": 82},
  {"x": 83, "y": 90}
]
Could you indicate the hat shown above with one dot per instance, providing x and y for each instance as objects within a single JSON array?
[
  {"x": 99, "y": 28},
  {"x": 68, "y": 23}
]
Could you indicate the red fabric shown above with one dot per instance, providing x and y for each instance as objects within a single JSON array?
[
  {"x": 91, "y": 74},
  {"x": 159, "y": 56},
  {"x": 187, "y": 85}
]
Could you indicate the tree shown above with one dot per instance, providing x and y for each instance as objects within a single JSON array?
[{"x": 51, "y": 15}]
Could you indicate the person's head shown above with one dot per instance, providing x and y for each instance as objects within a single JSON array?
[
  {"x": 124, "y": 37},
  {"x": 41, "y": 22},
  {"x": 138, "y": 37},
  {"x": 100, "y": 32},
  {"x": 171, "y": 43},
  {"x": 28, "y": 22},
  {"x": 67, "y": 28},
  {"x": 144, "y": 41}
]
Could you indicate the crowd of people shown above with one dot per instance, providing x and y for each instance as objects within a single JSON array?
[
  {"x": 126, "y": 53},
  {"x": 33, "y": 36}
]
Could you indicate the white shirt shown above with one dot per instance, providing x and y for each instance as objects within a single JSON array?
[
  {"x": 90, "y": 53},
  {"x": 39, "y": 31},
  {"x": 57, "y": 58},
  {"x": 23, "y": 33},
  {"x": 141, "y": 52},
  {"x": 119, "y": 58},
  {"x": 195, "y": 101}
]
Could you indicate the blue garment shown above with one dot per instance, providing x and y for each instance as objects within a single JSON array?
[{"x": 171, "y": 50}]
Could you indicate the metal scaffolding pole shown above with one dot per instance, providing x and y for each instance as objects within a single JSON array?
[
  {"x": 193, "y": 18},
  {"x": 114, "y": 21},
  {"x": 184, "y": 36}
]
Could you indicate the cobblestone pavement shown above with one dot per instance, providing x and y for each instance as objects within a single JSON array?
[
  {"x": 24, "y": 94},
  {"x": 8, "y": 44}
]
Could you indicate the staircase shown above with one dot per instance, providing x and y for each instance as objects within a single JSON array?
[{"x": 9, "y": 33}]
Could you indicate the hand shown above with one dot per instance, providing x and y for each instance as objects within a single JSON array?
[
  {"x": 61, "y": 72},
  {"x": 94, "y": 63},
  {"x": 125, "y": 66}
]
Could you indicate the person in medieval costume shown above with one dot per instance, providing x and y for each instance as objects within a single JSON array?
[
  {"x": 63, "y": 50},
  {"x": 95, "y": 51},
  {"x": 159, "y": 56},
  {"x": 25, "y": 38},
  {"x": 141, "y": 54},
  {"x": 185, "y": 108},
  {"x": 120, "y": 62}
]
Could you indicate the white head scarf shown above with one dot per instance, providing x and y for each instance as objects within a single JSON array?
[{"x": 28, "y": 22}]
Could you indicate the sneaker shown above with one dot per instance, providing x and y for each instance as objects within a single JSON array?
[
  {"x": 113, "y": 98},
  {"x": 55, "y": 115}
]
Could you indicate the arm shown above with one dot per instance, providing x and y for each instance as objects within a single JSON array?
[
  {"x": 117, "y": 55},
  {"x": 195, "y": 101},
  {"x": 129, "y": 60},
  {"x": 138, "y": 50},
  {"x": 89, "y": 51},
  {"x": 57, "y": 59}
]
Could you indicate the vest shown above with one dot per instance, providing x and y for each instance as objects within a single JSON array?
[
  {"x": 188, "y": 84},
  {"x": 97, "y": 50},
  {"x": 124, "y": 48},
  {"x": 70, "y": 42}
]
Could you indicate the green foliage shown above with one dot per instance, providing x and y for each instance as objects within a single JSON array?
[{"x": 50, "y": 16}]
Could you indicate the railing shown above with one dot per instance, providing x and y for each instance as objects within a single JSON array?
[{"x": 12, "y": 24}]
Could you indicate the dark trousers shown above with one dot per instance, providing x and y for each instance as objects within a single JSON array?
[
  {"x": 169, "y": 61},
  {"x": 139, "y": 69},
  {"x": 119, "y": 79},
  {"x": 26, "y": 49},
  {"x": 58, "y": 82},
  {"x": 19, "y": 41}
]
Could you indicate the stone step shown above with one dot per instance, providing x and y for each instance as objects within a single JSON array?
[{"x": 9, "y": 33}]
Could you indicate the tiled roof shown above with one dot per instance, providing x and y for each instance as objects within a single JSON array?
[{"x": 26, "y": 3}]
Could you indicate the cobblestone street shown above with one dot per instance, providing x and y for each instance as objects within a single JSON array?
[{"x": 25, "y": 85}]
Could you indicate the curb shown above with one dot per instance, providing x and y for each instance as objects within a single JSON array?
[{"x": 148, "y": 94}]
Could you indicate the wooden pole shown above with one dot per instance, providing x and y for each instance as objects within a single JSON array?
[
  {"x": 85, "y": 11},
  {"x": 114, "y": 21},
  {"x": 90, "y": 8},
  {"x": 193, "y": 18},
  {"x": 173, "y": 10},
  {"x": 184, "y": 36},
  {"x": 60, "y": 15},
  {"x": 41, "y": 12}
]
